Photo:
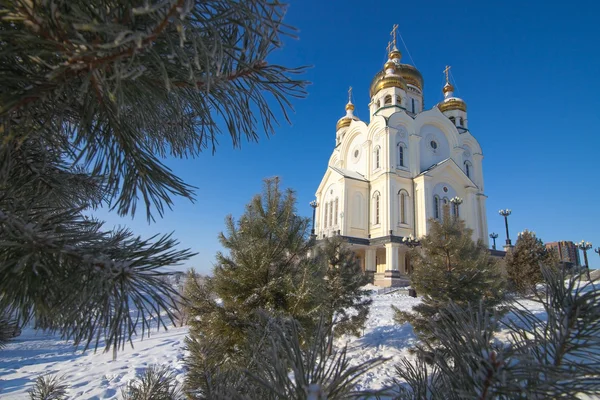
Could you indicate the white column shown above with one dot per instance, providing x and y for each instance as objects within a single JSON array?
[
  {"x": 370, "y": 259},
  {"x": 391, "y": 256}
]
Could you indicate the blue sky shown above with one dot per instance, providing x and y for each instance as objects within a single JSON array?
[{"x": 528, "y": 71}]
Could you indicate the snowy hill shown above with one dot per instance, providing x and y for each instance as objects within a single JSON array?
[{"x": 97, "y": 376}]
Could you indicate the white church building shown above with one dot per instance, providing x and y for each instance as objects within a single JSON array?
[{"x": 388, "y": 176}]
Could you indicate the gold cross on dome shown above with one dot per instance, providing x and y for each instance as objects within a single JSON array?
[
  {"x": 446, "y": 71},
  {"x": 350, "y": 94},
  {"x": 393, "y": 34},
  {"x": 389, "y": 47}
]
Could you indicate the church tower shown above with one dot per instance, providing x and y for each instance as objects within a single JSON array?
[{"x": 387, "y": 178}]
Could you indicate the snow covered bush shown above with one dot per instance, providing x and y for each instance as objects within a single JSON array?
[
  {"x": 555, "y": 354},
  {"x": 49, "y": 388}
]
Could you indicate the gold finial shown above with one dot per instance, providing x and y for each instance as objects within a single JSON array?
[
  {"x": 393, "y": 34},
  {"x": 350, "y": 106},
  {"x": 389, "y": 47},
  {"x": 446, "y": 71}
]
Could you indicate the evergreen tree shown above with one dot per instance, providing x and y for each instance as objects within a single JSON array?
[
  {"x": 450, "y": 267},
  {"x": 525, "y": 261},
  {"x": 93, "y": 96},
  {"x": 272, "y": 267},
  {"x": 268, "y": 266},
  {"x": 346, "y": 302}
]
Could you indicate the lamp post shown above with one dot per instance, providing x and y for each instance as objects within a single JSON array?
[
  {"x": 494, "y": 236},
  {"x": 585, "y": 246},
  {"x": 411, "y": 242},
  {"x": 597, "y": 250},
  {"x": 456, "y": 201},
  {"x": 314, "y": 206},
  {"x": 505, "y": 214}
]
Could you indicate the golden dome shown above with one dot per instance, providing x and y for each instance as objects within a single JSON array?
[
  {"x": 448, "y": 88},
  {"x": 349, "y": 106},
  {"x": 405, "y": 74},
  {"x": 410, "y": 74},
  {"x": 382, "y": 81},
  {"x": 345, "y": 121},
  {"x": 389, "y": 65},
  {"x": 395, "y": 55},
  {"x": 452, "y": 103}
]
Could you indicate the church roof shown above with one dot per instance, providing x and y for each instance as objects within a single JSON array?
[
  {"x": 346, "y": 173},
  {"x": 452, "y": 164},
  {"x": 435, "y": 165}
]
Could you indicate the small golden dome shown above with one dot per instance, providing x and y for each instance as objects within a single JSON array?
[
  {"x": 452, "y": 103},
  {"x": 349, "y": 106},
  {"x": 389, "y": 65},
  {"x": 448, "y": 88},
  {"x": 395, "y": 55},
  {"x": 345, "y": 121}
]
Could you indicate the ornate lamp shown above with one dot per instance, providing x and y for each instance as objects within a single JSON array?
[
  {"x": 456, "y": 201},
  {"x": 494, "y": 236},
  {"x": 585, "y": 246},
  {"x": 505, "y": 214},
  {"x": 314, "y": 206}
]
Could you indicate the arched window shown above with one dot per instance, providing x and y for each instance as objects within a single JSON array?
[
  {"x": 413, "y": 105},
  {"x": 376, "y": 157},
  {"x": 461, "y": 121},
  {"x": 401, "y": 155},
  {"x": 446, "y": 207},
  {"x": 436, "y": 207},
  {"x": 399, "y": 101},
  {"x": 387, "y": 100},
  {"x": 335, "y": 212},
  {"x": 453, "y": 120},
  {"x": 402, "y": 203},
  {"x": 331, "y": 213},
  {"x": 468, "y": 168},
  {"x": 376, "y": 205}
]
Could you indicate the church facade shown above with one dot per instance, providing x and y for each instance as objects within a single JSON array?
[{"x": 387, "y": 177}]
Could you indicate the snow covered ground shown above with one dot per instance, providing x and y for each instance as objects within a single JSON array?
[{"x": 97, "y": 376}]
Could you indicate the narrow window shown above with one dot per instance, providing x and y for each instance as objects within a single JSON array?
[
  {"x": 453, "y": 120},
  {"x": 446, "y": 205},
  {"x": 376, "y": 208},
  {"x": 400, "y": 155},
  {"x": 331, "y": 213},
  {"x": 413, "y": 105},
  {"x": 335, "y": 218},
  {"x": 436, "y": 207},
  {"x": 326, "y": 215},
  {"x": 377, "y": 157},
  {"x": 399, "y": 101},
  {"x": 402, "y": 208},
  {"x": 468, "y": 169},
  {"x": 388, "y": 100},
  {"x": 461, "y": 121}
]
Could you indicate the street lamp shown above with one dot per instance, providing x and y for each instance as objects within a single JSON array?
[
  {"x": 505, "y": 214},
  {"x": 585, "y": 246},
  {"x": 314, "y": 206},
  {"x": 494, "y": 236},
  {"x": 597, "y": 250},
  {"x": 456, "y": 201},
  {"x": 411, "y": 242}
]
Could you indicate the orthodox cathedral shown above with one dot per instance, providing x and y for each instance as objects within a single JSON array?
[{"x": 387, "y": 177}]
